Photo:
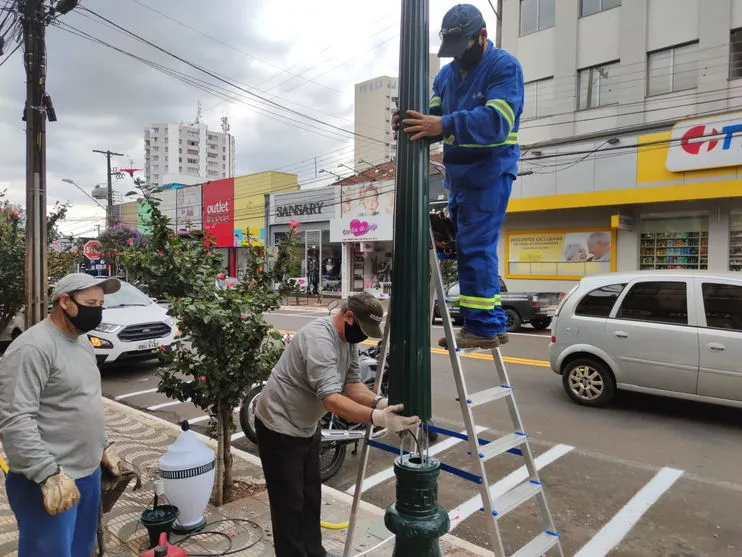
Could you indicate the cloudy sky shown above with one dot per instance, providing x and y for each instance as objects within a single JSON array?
[{"x": 303, "y": 55}]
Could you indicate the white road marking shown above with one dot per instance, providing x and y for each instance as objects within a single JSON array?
[
  {"x": 388, "y": 473},
  {"x": 468, "y": 508},
  {"x": 238, "y": 435},
  {"x": 135, "y": 393},
  {"x": 204, "y": 418},
  {"x": 624, "y": 520},
  {"x": 166, "y": 404}
]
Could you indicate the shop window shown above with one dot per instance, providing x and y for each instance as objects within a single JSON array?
[
  {"x": 723, "y": 306},
  {"x": 735, "y": 54},
  {"x": 599, "y": 302},
  {"x": 674, "y": 243},
  {"x": 735, "y": 242},
  {"x": 590, "y": 7},
  {"x": 598, "y": 86},
  {"x": 539, "y": 98},
  {"x": 656, "y": 302},
  {"x": 673, "y": 69},
  {"x": 536, "y": 15}
]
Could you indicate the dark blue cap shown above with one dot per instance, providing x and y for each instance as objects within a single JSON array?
[{"x": 460, "y": 24}]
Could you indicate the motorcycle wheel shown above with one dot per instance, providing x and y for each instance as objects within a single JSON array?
[
  {"x": 247, "y": 413},
  {"x": 331, "y": 458}
]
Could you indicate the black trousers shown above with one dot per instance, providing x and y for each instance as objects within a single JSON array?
[{"x": 291, "y": 469}]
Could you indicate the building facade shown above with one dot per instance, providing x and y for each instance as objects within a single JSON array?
[
  {"x": 187, "y": 154},
  {"x": 631, "y": 139},
  {"x": 375, "y": 101}
]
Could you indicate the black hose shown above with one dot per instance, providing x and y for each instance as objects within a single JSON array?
[{"x": 229, "y": 550}]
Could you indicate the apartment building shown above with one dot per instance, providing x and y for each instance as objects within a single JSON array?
[
  {"x": 187, "y": 154},
  {"x": 631, "y": 138},
  {"x": 375, "y": 100}
]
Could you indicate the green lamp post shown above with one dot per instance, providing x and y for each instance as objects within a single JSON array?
[{"x": 415, "y": 517}]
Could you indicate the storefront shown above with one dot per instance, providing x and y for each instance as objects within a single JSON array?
[
  {"x": 319, "y": 256},
  {"x": 672, "y": 203}
]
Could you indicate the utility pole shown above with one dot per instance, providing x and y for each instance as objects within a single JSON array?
[
  {"x": 34, "y": 30},
  {"x": 415, "y": 517},
  {"x": 109, "y": 208},
  {"x": 498, "y": 25}
]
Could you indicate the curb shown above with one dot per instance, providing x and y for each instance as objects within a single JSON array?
[{"x": 252, "y": 459}]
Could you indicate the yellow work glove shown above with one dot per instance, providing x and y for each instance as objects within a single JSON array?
[
  {"x": 112, "y": 462},
  {"x": 59, "y": 493}
]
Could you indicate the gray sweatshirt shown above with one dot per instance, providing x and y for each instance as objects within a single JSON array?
[
  {"x": 315, "y": 364},
  {"x": 51, "y": 407}
]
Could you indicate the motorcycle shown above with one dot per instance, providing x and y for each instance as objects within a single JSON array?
[{"x": 337, "y": 433}]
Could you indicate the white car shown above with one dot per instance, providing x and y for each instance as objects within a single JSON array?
[
  {"x": 14, "y": 328},
  {"x": 134, "y": 327}
]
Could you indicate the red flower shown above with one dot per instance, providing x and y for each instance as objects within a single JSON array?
[
  {"x": 163, "y": 348},
  {"x": 160, "y": 253},
  {"x": 221, "y": 276},
  {"x": 130, "y": 242},
  {"x": 202, "y": 378},
  {"x": 294, "y": 224},
  {"x": 243, "y": 316},
  {"x": 208, "y": 253}
]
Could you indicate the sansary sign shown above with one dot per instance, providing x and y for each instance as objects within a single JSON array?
[
  {"x": 299, "y": 209},
  {"x": 711, "y": 142}
]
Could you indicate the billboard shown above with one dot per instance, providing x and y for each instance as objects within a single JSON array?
[
  {"x": 218, "y": 211},
  {"x": 560, "y": 254},
  {"x": 710, "y": 142},
  {"x": 310, "y": 205},
  {"x": 366, "y": 213},
  {"x": 188, "y": 208}
]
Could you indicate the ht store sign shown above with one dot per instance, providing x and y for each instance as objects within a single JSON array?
[
  {"x": 710, "y": 142},
  {"x": 218, "y": 211}
]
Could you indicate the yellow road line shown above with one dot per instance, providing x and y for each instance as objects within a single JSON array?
[{"x": 473, "y": 355}]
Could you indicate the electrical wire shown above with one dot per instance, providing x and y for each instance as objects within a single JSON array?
[{"x": 229, "y": 550}]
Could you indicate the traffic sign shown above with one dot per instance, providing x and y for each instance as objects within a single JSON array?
[{"x": 92, "y": 250}]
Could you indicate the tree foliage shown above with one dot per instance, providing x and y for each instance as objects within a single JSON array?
[{"x": 225, "y": 345}]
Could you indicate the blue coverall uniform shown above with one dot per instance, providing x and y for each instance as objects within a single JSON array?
[{"x": 480, "y": 119}]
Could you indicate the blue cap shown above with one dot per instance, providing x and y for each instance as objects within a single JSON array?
[{"x": 460, "y": 24}]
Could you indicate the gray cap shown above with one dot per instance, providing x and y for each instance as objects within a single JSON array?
[{"x": 80, "y": 281}]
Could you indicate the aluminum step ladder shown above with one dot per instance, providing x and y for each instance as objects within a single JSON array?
[{"x": 481, "y": 450}]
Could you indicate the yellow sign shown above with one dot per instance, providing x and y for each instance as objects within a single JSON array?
[{"x": 559, "y": 254}]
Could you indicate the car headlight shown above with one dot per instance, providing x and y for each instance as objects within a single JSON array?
[
  {"x": 170, "y": 322},
  {"x": 99, "y": 342},
  {"x": 107, "y": 328}
]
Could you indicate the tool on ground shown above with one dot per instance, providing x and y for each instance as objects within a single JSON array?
[
  {"x": 481, "y": 450},
  {"x": 165, "y": 549}
]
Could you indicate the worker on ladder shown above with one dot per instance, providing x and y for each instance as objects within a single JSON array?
[{"x": 475, "y": 110}]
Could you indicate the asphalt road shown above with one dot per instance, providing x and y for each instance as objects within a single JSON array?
[{"x": 650, "y": 476}]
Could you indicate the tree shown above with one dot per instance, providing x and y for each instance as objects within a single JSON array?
[
  {"x": 13, "y": 254},
  {"x": 225, "y": 345}
]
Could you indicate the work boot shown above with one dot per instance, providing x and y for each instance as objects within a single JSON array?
[
  {"x": 503, "y": 338},
  {"x": 465, "y": 339}
]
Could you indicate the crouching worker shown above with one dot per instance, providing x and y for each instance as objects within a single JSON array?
[
  {"x": 317, "y": 373},
  {"x": 52, "y": 424}
]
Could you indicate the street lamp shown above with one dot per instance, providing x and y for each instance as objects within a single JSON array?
[
  {"x": 70, "y": 181},
  {"x": 338, "y": 176}
]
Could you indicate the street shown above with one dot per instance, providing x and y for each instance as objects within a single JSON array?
[{"x": 648, "y": 475}]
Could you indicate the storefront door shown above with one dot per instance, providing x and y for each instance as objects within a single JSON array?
[{"x": 312, "y": 252}]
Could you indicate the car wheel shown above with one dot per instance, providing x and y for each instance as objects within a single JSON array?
[
  {"x": 514, "y": 320},
  {"x": 588, "y": 381},
  {"x": 247, "y": 413},
  {"x": 540, "y": 324}
]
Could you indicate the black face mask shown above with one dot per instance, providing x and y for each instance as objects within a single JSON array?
[
  {"x": 87, "y": 318},
  {"x": 471, "y": 57},
  {"x": 354, "y": 334}
]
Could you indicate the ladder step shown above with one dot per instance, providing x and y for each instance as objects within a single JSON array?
[
  {"x": 538, "y": 545},
  {"x": 502, "y": 445},
  {"x": 489, "y": 395},
  {"x": 515, "y": 497}
]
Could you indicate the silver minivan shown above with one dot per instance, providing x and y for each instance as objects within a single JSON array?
[{"x": 671, "y": 333}]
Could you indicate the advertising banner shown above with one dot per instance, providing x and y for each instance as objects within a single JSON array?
[
  {"x": 559, "y": 253},
  {"x": 188, "y": 208},
  {"x": 167, "y": 205},
  {"x": 312, "y": 205},
  {"x": 218, "y": 211},
  {"x": 366, "y": 213}
]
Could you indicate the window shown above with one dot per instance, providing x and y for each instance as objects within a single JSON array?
[
  {"x": 599, "y": 302},
  {"x": 598, "y": 86},
  {"x": 735, "y": 54},
  {"x": 590, "y": 7},
  {"x": 536, "y": 15},
  {"x": 674, "y": 243},
  {"x": 538, "y": 99},
  {"x": 656, "y": 302},
  {"x": 735, "y": 241},
  {"x": 673, "y": 69},
  {"x": 723, "y": 306}
]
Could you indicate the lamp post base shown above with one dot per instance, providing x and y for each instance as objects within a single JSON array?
[{"x": 415, "y": 518}]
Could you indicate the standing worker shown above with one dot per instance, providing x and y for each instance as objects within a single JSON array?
[
  {"x": 475, "y": 110},
  {"x": 317, "y": 373},
  {"x": 52, "y": 424}
]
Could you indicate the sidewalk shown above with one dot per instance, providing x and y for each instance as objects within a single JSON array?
[{"x": 140, "y": 439}]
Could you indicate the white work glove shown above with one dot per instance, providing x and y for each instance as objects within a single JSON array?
[
  {"x": 389, "y": 419},
  {"x": 59, "y": 493},
  {"x": 380, "y": 402}
]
